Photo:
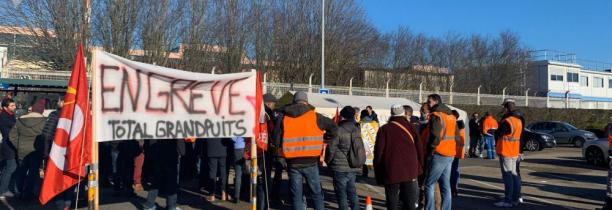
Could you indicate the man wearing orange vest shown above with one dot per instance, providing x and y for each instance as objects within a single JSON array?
[
  {"x": 441, "y": 150},
  {"x": 300, "y": 133},
  {"x": 508, "y": 148},
  {"x": 608, "y": 202},
  {"x": 489, "y": 125}
]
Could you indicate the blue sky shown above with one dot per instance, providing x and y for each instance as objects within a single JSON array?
[{"x": 580, "y": 26}]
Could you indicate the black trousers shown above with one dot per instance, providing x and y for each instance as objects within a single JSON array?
[
  {"x": 407, "y": 192},
  {"x": 474, "y": 140},
  {"x": 217, "y": 165}
]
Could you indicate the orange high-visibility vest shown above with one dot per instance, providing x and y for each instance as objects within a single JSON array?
[
  {"x": 460, "y": 151},
  {"x": 448, "y": 144},
  {"x": 488, "y": 124},
  {"x": 510, "y": 144},
  {"x": 610, "y": 141},
  {"x": 302, "y": 137}
]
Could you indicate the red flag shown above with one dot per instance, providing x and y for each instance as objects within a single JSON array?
[
  {"x": 337, "y": 117},
  {"x": 71, "y": 149},
  {"x": 261, "y": 127}
]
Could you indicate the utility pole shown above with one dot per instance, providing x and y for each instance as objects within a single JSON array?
[{"x": 322, "y": 43}]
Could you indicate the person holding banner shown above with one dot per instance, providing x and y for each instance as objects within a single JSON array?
[
  {"x": 299, "y": 133},
  {"x": 8, "y": 152},
  {"x": 164, "y": 155}
]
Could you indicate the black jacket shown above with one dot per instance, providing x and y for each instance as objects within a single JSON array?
[
  {"x": 7, "y": 121},
  {"x": 218, "y": 147},
  {"x": 338, "y": 149},
  {"x": 49, "y": 131},
  {"x": 475, "y": 127},
  {"x": 295, "y": 110}
]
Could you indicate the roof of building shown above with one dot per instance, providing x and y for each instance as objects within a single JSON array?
[{"x": 34, "y": 83}]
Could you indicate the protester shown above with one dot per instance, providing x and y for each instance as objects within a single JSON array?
[
  {"x": 608, "y": 201},
  {"x": 24, "y": 135},
  {"x": 413, "y": 120},
  {"x": 508, "y": 148},
  {"x": 238, "y": 163},
  {"x": 217, "y": 150},
  {"x": 272, "y": 159},
  {"x": 489, "y": 125},
  {"x": 475, "y": 135},
  {"x": 397, "y": 160},
  {"x": 50, "y": 127},
  {"x": 138, "y": 163},
  {"x": 337, "y": 159},
  {"x": 299, "y": 132},
  {"x": 460, "y": 154},
  {"x": 9, "y": 152},
  {"x": 124, "y": 178},
  {"x": 164, "y": 158},
  {"x": 368, "y": 115},
  {"x": 441, "y": 150}
]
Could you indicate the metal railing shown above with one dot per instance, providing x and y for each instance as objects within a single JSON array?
[{"x": 419, "y": 96}]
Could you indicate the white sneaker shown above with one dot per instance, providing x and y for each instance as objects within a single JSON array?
[
  {"x": 178, "y": 208},
  {"x": 502, "y": 204},
  {"x": 520, "y": 200}
]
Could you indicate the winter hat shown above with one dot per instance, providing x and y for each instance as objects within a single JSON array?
[
  {"x": 347, "y": 112},
  {"x": 39, "y": 106},
  {"x": 300, "y": 96},
  {"x": 397, "y": 110},
  {"x": 269, "y": 98}
]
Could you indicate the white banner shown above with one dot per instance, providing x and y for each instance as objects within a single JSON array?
[{"x": 135, "y": 100}]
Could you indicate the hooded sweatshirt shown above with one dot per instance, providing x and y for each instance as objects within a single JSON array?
[
  {"x": 25, "y": 132},
  {"x": 296, "y": 110}
]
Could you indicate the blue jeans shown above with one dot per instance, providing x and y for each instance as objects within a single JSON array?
[
  {"x": 454, "y": 177},
  {"x": 512, "y": 180},
  {"x": 311, "y": 174},
  {"x": 238, "y": 164},
  {"x": 344, "y": 184},
  {"x": 7, "y": 173},
  {"x": 490, "y": 143},
  {"x": 439, "y": 172}
]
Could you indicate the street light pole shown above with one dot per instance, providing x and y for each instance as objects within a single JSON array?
[{"x": 322, "y": 43}]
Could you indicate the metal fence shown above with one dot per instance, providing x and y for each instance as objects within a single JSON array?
[{"x": 279, "y": 89}]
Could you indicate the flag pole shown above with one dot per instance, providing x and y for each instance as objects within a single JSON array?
[
  {"x": 93, "y": 192},
  {"x": 254, "y": 156}
]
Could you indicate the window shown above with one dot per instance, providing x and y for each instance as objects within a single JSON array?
[
  {"x": 610, "y": 83},
  {"x": 554, "y": 77},
  {"x": 584, "y": 81},
  {"x": 598, "y": 82},
  {"x": 572, "y": 77}
]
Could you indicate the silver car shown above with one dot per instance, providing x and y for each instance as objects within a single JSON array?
[
  {"x": 564, "y": 132},
  {"x": 596, "y": 152}
]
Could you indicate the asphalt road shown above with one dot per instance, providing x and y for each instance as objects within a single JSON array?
[{"x": 552, "y": 179}]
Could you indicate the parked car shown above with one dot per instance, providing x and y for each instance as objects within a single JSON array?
[
  {"x": 596, "y": 152},
  {"x": 563, "y": 132},
  {"x": 536, "y": 141}
]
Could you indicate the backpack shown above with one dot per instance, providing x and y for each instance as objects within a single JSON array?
[{"x": 356, "y": 155}]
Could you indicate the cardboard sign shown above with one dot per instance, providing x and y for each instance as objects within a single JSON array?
[{"x": 368, "y": 135}]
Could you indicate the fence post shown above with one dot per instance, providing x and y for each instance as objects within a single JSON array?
[
  {"x": 310, "y": 82},
  {"x": 478, "y": 96},
  {"x": 504, "y": 94},
  {"x": 387, "y": 89},
  {"x": 527, "y": 97},
  {"x": 351, "y": 86},
  {"x": 450, "y": 94},
  {"x": 265, "y": 82},
  {"x": 213, "y": 70},
  {"x": 548, "y": 99},
  {"x": 421, "y": 92},
  {"x": 567, "y": 99}
]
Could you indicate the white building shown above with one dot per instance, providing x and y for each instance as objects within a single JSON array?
[{"x": 572, "y": 85}]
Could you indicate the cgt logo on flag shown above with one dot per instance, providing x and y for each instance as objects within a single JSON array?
[{"x": 71, "y": 149}]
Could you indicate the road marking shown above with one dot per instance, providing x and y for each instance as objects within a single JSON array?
[{"x": 530, "y": 197}]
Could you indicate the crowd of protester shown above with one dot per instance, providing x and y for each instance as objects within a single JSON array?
[{"x": 416, "y": 158}]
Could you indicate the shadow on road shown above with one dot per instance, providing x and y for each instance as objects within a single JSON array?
[{"x": 565, "y": 162}]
